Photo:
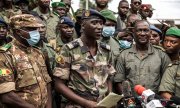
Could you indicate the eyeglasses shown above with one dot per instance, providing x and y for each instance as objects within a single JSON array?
[{"x": 137, "y": 3}]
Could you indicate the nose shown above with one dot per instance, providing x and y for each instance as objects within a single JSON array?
[{"x": 168, "y": 44}]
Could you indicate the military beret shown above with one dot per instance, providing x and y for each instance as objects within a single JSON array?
[
  {"x": 21, "y": 1},
  {"x": 152, "y": 27},
  {"x": 108, "y": 15},
  {"x": 147, "y": 7},
  {"x": 66, "y": 20},
  {"x": 2, "y": 22},
  {"x": 58, "y": 4},
  {"x": 87, "y": 14},
  {"x": 173, "y": 31},
  {"x": 24, "y": 20}
]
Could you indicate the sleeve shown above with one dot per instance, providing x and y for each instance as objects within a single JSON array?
[
  {"x": 165, "y": 62},
  {"x": 120, "y": 75},
  {"x": 168, "y": 80},
  {"x": 7, "y": 83},
  {"x": 63, "y": 62}
]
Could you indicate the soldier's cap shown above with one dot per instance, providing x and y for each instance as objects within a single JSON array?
[
  {"x": 154, "y": 28},
  {"x": 79, "y": 12},
  {"x": 58, "y": 4},
  {"x": 21, "y": 1},
  {"x": 3, "y": 22},
  {"x": 173, "y": 31},
  {"x": 91, "y": 13},
  {"x": 109, "y": 15},
  {"x": 66, "y": 20},
  {"x": 24, "y": 20},
  {"x": 147, "y": 7}
]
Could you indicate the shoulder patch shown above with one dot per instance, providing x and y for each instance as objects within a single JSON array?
[
  {"x": 5, "y": 47},
  {"x": 105, "y": 46},
  {"x": 73, "y": 44},
  {"x": 5, "y": 72},
  {"x": 159, "y": 47}
]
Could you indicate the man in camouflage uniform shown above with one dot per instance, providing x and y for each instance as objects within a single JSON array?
[
  {"x": 65, "y": 32},
  {"x": 143, "y": 63},
  {"x": 49, "y": 18},
  {"x": 170, "y": 83},
  {"x": 25, "y": 82},
  {"x": 84, "y": 65}
]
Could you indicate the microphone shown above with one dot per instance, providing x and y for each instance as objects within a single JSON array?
[
  {"x": 175, "y": 99},
  {"x": 129, "y": 100}
]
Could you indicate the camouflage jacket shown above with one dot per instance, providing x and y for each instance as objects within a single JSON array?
[
  {"x": 23, "y": 70},
  {"x": 86, "y": 74}
]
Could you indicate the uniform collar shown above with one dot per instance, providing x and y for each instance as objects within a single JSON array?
[
  {"x": 85, "y": 49},
  {"x": 23, "y": 47},
  {"x": 134, "y": 50}
]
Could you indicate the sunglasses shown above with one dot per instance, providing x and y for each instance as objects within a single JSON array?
[{"x": 137, "y": 3}]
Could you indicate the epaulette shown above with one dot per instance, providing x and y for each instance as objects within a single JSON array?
[
  {"x": 73, "y": 44},
  {"x": 105, "y": 46},
  {"x": 159, "y": 47},
  {"x": 5, "y": 47}
]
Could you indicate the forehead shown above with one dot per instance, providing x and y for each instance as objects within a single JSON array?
[
  {"x": 173, "y": 38},
  {"x": 124, "y": 4},
  {"x": 133, "y": 18},
  {"x": 142, "y": 24},
  {"x": 136, "y": 1},
  {"x": 109, "y": 22},
  {"x": 154, "y": 32}
]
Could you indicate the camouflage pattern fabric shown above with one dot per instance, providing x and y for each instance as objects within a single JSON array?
[
  {"x": 86, "y": 75},
  {"x": 26, "y": 71},
  {"x": 171, "y": 79},
  {"x": 146, "y": 70}
]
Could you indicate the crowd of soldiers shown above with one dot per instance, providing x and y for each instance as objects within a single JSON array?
[{"x": 52, "y": 58}]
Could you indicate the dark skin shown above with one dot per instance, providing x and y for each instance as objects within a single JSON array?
[
  {"x": 172, "y": 45},
  {"x": 101, "y": 4},
  {"x": 8, "y": 4},
  {"x": 135, "y": 6},
  {"x": 21, "y": 35},
  {"x": 109, "y": 23},
  {"x": 3, "y": 34},
  {"x": 155, "y": 38},
  {"x": 144, "y": 14},
  {"x": 61, "y": 11},
  {"x": 23, "y": 7},
  {"x": 68, "y": 4},
  {"x": 66, "y": 32},
  {"x": 44, "y": 6},
  {"x": 91, "y": 33},
  {"x": 142, "y": 35},
  {"x": 123, "y": 9}
]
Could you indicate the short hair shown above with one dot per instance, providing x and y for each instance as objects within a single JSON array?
[
  {"x": 123, "y": 1},
  {"x": 138, "y": 21},
  {"x": 133, "y": 0}
]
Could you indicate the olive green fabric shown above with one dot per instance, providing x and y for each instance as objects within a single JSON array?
[
  {"x": 171, "y": 79},
  {"x": 145, "y": 70},
  {"x": 109, "y": 15},
  {"x": 173, "y": 31}
]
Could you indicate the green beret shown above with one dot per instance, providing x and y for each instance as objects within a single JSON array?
[
  {"x": 173, "y": 31},
  {"x": 108, "y": 14},
  {"x": 58, "y": 4}
]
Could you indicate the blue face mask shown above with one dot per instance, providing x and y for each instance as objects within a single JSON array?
[
  {"x": 108, "y": 31},
  {"x": 34, "y": 38},
  {"x": 124, "y": 44}
]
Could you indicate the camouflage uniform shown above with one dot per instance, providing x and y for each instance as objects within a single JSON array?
[
  {"x": 171, "y": 79},
  {"x": 145, "y": 70},
  {"x": 51, "y": 22},
  {"x": 85, "y": 75}
]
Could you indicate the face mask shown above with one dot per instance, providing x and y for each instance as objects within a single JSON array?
[
  {"x": 108, "y": 31},
  {"x": 34, "y": 38},
  {"x": 124, "y": 44}
]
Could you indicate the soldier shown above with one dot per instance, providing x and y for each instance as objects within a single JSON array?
[
  {"x": 143, "y": 63},
  {"x": 59, "y": 9},
  {"x": 123, "y": 9},
  {"x": 135, "y": 6},
  {"x": 144, "y": 11},
  {"x": 23, "y": 5},
  {"x": 65, "y": 32},
  {"x": 131, "y": 19},
  {"x": 109, "y": 30},
  {"x": 25, "y": 82},
  {"x": 170, "y": 83},
  {"x": 101, "y": 5},
  {"x": 155, "y": 35},
  {"x": 84, "y": 65},
  {"x": 171, "y": 43},
  {"x": 49, "y": 18}
]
